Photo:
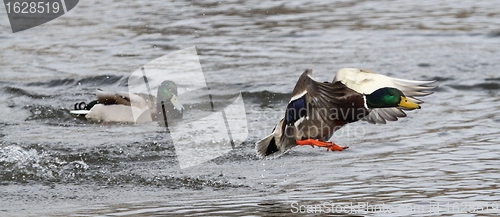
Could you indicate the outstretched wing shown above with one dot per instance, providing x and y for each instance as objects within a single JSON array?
[
  {"x": 323, "y": 105},
  {"x": 365, "y": 82}
]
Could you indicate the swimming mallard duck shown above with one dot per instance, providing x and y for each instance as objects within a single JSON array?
[
  {"x": 317, "y": 109},
  {"x": 119, "y": 107}
]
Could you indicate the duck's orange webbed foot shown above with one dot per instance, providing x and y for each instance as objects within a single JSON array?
[{"x": 330, "y": 146}]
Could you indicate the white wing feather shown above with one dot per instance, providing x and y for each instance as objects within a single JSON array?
[{"x": 365, "y": 82}]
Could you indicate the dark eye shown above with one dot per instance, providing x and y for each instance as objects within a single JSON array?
[{"x": 391, "y": 94}]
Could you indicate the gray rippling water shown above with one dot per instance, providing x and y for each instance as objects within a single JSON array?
[{"x": 52, "y": 163}]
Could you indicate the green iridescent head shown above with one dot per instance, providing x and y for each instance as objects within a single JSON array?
[
  {"x": 387, "y": 97},
  {"x": 166, "y": 90},
  {"x": 167, "y": 95}
]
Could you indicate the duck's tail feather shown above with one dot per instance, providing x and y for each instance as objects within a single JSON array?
[
  {"x": 270, "y": 147},
  {"x": 267, "y": 147},
  {"x": 83, "y": 108}
]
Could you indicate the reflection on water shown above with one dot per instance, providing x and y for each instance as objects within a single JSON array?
[{"x": 52, "y": 163}]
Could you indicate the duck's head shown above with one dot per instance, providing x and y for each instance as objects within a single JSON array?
[
  {"x": 167, "y": 92},
  {"x": 389, "y": 97}
]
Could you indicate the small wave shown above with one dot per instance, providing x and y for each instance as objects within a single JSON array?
[
  {"x": 483, "y": 86},
  {"x": 29, "y": 89},
  {"x": 167, "y": 181},
  {"x": 53, "y": 83},
  {"x": 100, "y": 80},
  {"x": 266, "y": 96},
  {"x": 48, "y": 113},
  {"x": 493, "y": 79},
  {"x": 424, "y": 65},
  {"x": 493, "y": 34},
  {"x": 22, "y": 92},
  {"x": 440, "y": 79}
]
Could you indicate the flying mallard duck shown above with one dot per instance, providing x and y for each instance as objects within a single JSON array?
[
  {"x": 318, "y": 109},
  {"x": 119, "y": 107}
]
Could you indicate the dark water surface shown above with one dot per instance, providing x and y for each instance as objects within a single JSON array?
[{"x": 54, "y": 164}]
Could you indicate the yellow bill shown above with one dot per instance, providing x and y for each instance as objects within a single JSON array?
[{"x": 405, "y": 103}]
